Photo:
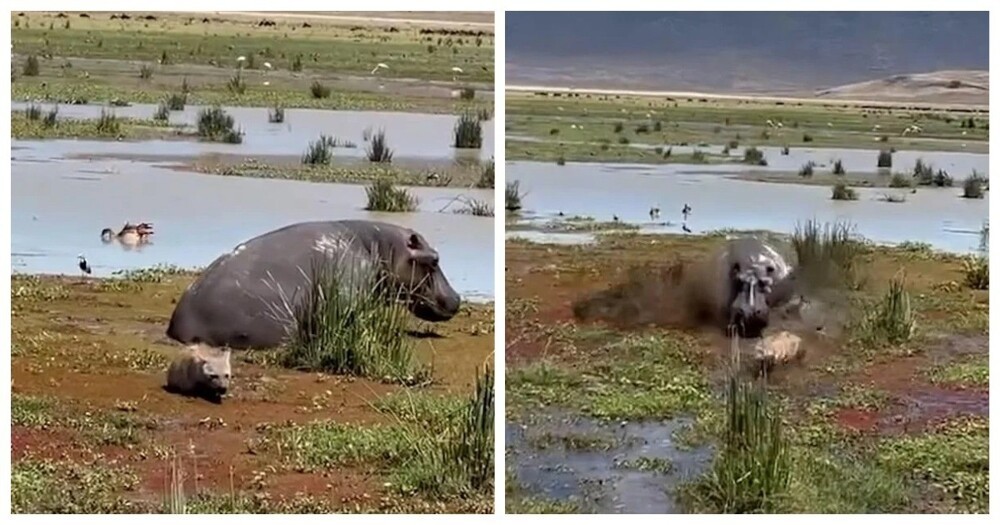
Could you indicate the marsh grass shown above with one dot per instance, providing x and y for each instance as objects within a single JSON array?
[
  {"x": 807, "y": 169},
  {"x": 487, "y": 175},
  {"x": 276, "y": 115},
  {"x": 319, "y": 151},
  {"x": 236, "y": 85},
  {"x": 899, "y": 180},
  {"x": 177, "y": 101},
  {"x": 318, "y": 90},
  {"x": 216, "y": 125},
  {"x": 145, "y": 71},
  {"x": 468, "y": 133},
  {"x": 973, "y": 187},
  {"x": 51, "y": 118},
  {"x": 33, "y": 112},
  {"x": 476, "y": 207},
  {"x": 826, "y": 255},
  {"x": 754, "y": 156},
  {"x": 31, "y": 66},
  {"x": 512, "y": 196},
  {"x": 843, "y": 192},
  {"x": 467, "y": 93},
  {"x": 384, "y": 196},
  {"x": 347, "y": 321},
  {"x": 838, "y": 168},
  {"x": 108, "y": 123},
  {"x": 976, "y": 269},
  {"x": 884, "y": 159},
  {"x": 162, "y": 112},
  {"x": 378, "y": 149},
  {"x": 891, "y": 320},
  {"x": 751, "y": 474}
]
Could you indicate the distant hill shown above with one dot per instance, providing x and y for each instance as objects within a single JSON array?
[{"x": 752, "y": 52}]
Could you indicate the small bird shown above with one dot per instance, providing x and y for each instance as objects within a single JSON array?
[
  {"x": 241, "y": 58},
  {"x": 686, "y": 211},
  {"x": 614, "y": 218},
  {"x": 685, "y": 228},
  {"x": 267, "y": 65},
  {"x": 379, "y": 66},
  {"x": 654, "y": 213},
  {"x": 83, "y": 264}
]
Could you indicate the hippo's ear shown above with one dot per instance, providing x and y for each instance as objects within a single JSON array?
[{"x": 783, "y": 290}]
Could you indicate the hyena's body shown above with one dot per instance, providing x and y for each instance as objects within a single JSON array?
[{"x": 200, "y": 370}]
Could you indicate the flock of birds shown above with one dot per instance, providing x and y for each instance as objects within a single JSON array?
[{"x": 654, "y": 214}]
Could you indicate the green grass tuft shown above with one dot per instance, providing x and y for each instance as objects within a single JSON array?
[
  {"x": 384, "y": 196},
  {"x": 843, "y": 192},
  {"x": 468, "y": 133},
  {"x": 378, "y": 149}
]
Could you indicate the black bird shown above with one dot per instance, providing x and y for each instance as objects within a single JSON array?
[
  {"x": 83, "y": 264},
  {"x": 614, "y": 218},
  {"x": 654, "y": 213},
  {"x": 685, "y": 228},
  {"x": 686, "y": 211}
]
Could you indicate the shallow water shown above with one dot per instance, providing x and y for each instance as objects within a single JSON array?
[
  {"x": 594, "y": 478},
  {"x": 938, "y": 217},
  {"x": 60, "y": 205},
  {"x": 410, "y": 135}
]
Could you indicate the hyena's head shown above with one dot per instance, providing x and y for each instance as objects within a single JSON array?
[{"x": 215, "y": 369}]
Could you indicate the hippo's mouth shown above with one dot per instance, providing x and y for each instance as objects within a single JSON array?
[{"x": 433, "y": 312}]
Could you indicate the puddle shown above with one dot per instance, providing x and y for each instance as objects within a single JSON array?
[
  {"x": 60, "y": 207},
  {"x": 598, "y": 479},
  {"x": 411, "y": 135},
  {"x": 938, "y": 217}
]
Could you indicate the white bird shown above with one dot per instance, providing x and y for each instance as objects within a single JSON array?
[
  {"x": 456, "y": 69},
  {"x": 267, "y": 83},
  {"x": 267, "y": 65},
  {"x": 241, "y": 58},
  {"x": 379, "y": 66}
]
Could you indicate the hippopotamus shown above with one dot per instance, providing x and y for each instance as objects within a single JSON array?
[
  {"x": 754, "y": 278},
  {"x": 233, "y": 302}
]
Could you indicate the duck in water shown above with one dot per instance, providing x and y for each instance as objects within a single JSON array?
[{"x": 130, "y": 234}]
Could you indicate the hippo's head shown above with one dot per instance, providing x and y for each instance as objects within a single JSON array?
[
  {"x": 431, "y": 297},
  {"x": 751, "y": 287}
]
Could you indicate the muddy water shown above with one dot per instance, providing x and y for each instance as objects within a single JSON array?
[
  {"x": 935, "y": 216},
  {"x": 411, "y": 135},
  {"x": 596, "y": 479},
  {"x": 60, "y": 205}
]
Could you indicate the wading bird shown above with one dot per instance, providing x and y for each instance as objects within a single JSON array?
[
  {"x": 83, "y": 264},
  {"x": 654, "y": 213},
  {"x": 686, "y": 211},
  {"x": 379, "y": 66}
]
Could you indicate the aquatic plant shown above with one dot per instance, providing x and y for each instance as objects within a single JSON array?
[
  {"x": 484, "y": 114},
  {"x": 108, "y": 123},
  {"x": 512, "y": 196},
  {"x": 923, "y": 173},
  {"x": 33, "y": 112},
  {"x": 467, "y": 93},
  {"x": 215, "y": 124},
  {"x": 236, "y": 85},
  {"x": 698, "y": 156},
  {"x": 383, "y": 195},
  {"x": 785, "y": 150},
  {"x": 477, "y": 208},
  {"x": 487, "y": 175},
  {"x": 977, "y": 271},
  {"x": 807, "y": 169},
  {"x": 891, "y": 320},
  {"x": 899, "y": 180},
  {"x": 162, "y": 112},
  {"x": 378, "y": 149},
  {"x": 827, "y": 254},
  {"x": 345, "y": 321},
  {"x": 164, "y": 58},
  {"x": 561, "y": 160},
  {"x": 296, "y": 65},
  {"x": 973, "y": 187},
  {"x": 807, "y": 137},
  {"x": 754, "y": 156},
  {"x": 318, "y": 90},
  {"x": 31, "y": 66},
  {"x": 51, "y": 117},
  {"x": 145, "y": 71},
  {"x": 276, "y": 115},
  {"x": 468, "y": 132},
  {"x": 838, "y": 168},
  {"x": 177, "y": 101},
  {"x": 842, "y": 192},
  {"x": 319, "y": 151},
  {"x": 941, "y": 179},
  {"x": 884, "y": 159},
  {"x": 619, "y": 127}
]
